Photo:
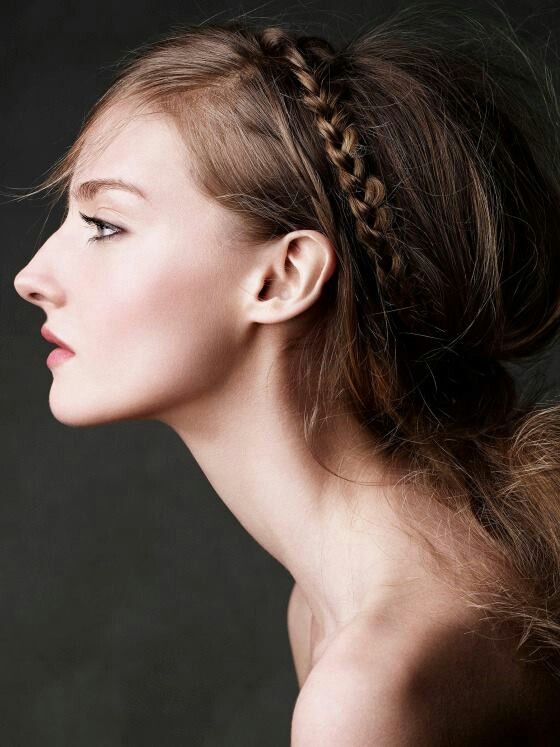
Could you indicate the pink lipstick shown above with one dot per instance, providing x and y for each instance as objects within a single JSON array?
[{"x": 59, "y": 354}]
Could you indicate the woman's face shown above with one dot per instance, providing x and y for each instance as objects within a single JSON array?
[{"x": 153, "y": 312}]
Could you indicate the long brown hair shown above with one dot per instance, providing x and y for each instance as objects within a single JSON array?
[{"x": 425, "y": 149}]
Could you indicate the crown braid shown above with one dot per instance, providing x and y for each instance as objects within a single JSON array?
[{"x": 365, "y": 193}]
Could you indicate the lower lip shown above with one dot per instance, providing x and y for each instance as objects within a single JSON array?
[{"x": 58, "y": 355}]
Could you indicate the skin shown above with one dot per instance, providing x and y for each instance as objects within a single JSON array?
[{"x": 167, "y": 324}]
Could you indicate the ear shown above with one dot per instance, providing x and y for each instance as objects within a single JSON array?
[{"x": 289, "y": 275}]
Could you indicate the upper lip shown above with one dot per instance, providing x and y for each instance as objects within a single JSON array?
[{"x": 48, "y": 335}]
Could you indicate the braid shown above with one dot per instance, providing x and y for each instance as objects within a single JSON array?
[{"x": 365, "y": 193}]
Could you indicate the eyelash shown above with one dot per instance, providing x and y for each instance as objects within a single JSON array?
[{"x": 101, "y": 224}]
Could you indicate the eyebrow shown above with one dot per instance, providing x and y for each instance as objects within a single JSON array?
[{"x": 88, "y": 190}]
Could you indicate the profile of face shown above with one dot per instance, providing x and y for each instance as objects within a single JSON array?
[{"x": 153, "y": 312}]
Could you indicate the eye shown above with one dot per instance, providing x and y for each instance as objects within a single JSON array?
[{"x": 101, "y": 225}]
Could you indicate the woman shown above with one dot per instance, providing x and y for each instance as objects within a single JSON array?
[{"x": 315, "y": 263}]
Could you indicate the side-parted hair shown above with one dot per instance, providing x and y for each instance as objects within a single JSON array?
[{"x": 425, "y": 149}]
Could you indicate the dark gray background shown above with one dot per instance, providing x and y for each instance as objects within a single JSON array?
[{"x": 134, "y": 608}]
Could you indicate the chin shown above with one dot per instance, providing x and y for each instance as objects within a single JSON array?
[
  {"x": 74, "y": 410},
  {"x": 77, "y": 418}
]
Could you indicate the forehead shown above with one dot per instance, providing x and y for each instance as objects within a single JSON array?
[{"x": 142, "y": 148}]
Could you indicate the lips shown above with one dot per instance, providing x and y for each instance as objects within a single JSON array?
[{"x": 48, "y": 335}]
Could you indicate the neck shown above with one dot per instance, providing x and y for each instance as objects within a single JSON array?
[{"x": 343, "y": 543}]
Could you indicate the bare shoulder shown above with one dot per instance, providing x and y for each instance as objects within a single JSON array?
[
  {"x": 348, "y": 700},
  {"x": 443, "y": 686}
]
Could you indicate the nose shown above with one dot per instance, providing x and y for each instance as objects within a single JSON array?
[
  {"x": 33, "y": 288},
  {"x": 24, "y": 287},
  {"x": 37, "y": 282}
]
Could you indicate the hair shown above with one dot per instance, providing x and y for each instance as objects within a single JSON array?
[{"x": 425, "y": 149}]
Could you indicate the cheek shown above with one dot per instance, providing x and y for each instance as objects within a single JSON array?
[{"x": 168, "y": 332}]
